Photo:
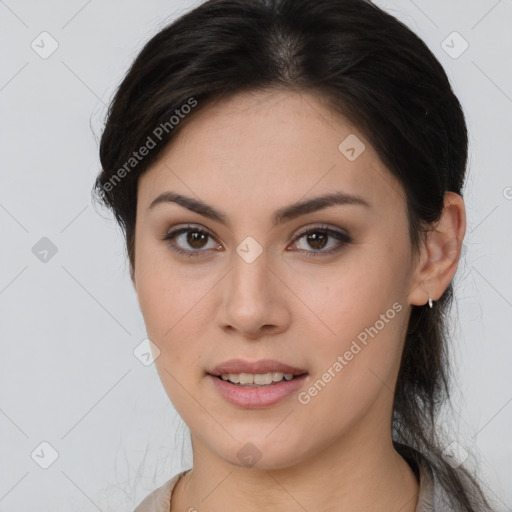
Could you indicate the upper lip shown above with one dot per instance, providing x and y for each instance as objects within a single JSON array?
[{"x": 261, "y": 366}]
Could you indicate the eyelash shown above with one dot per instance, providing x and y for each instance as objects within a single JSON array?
[{"x": 343, "y": 238}]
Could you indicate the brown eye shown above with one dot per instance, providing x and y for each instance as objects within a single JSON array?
[
  {"x": 190, "y": 241},
  {"x": 318, "y": 238},
  {"x": 196, "y": 239}
]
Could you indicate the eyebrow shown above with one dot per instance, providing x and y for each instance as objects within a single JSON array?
[{"x": 282, "y": 215}]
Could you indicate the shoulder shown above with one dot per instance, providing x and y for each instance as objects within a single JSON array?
[
  {"x": 160, "y": 499},
  {"x": 428, "y": 488},
  {"x": 432, "y": 496}
]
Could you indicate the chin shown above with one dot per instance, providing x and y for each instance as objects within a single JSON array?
[{"x": 259, "y": 452}]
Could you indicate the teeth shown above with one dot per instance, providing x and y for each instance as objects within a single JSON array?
[
  {"x": 246, "y": 378},
  {"x": 260, "y": 379}
]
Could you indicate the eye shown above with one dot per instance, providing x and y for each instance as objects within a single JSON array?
[
  {"x": 181, "y": 239},
  {"x": 189, "y": 236},
  {"x": 318, "y": 238}
]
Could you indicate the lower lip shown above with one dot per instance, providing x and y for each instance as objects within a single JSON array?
[{"x": 255, "y": 397}]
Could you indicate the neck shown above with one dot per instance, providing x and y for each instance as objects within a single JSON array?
[{"x": 365, "y": 475}]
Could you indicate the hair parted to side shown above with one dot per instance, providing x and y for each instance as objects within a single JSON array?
[{"x": 370, "y": 68}]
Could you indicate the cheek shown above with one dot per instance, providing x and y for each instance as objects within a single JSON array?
[
  {"x": 360, "y": 312},
  {"x": 174, "y": 306},
  {"x": 171, "y": 311},
  {"x": 162, "y": 296},
  {"x": 356, "y": 367},
  {"x": 345, "y": 297},
  {"x": 170, "y": 306}
]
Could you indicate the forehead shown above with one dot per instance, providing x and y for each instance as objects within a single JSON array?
[{"x": 276, "y": 146}]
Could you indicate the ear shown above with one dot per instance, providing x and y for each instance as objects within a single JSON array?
[{"x": 440, "y": 252}]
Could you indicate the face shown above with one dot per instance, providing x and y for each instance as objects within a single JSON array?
[{"x": 323, "y": 290}]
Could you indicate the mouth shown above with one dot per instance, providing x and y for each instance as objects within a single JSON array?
[
  {"x": 257, "y": 380},
  {"x": 261, "y": 373},
  {"x": 256, "y": 384}
]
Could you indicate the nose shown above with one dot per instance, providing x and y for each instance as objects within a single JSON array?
[{"x": 254, "y": 299}]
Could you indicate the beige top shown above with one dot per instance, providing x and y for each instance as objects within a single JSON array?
[{"x": 432, "y": 498}]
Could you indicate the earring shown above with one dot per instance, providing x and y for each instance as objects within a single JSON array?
[{"x": 430, "y": 302}]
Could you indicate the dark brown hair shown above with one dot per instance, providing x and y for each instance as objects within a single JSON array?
[{"x": 372, "y": 69}]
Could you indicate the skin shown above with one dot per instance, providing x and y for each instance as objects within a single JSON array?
[{"x": 248, "y": 156}]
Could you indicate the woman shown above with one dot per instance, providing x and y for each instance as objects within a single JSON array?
[{"x": 288, "y": 176}]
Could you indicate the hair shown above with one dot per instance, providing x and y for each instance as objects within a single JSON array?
[{"x": 373, "y": 70}]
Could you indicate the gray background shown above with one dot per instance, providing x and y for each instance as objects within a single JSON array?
[{"x": 70, "y": 320}]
